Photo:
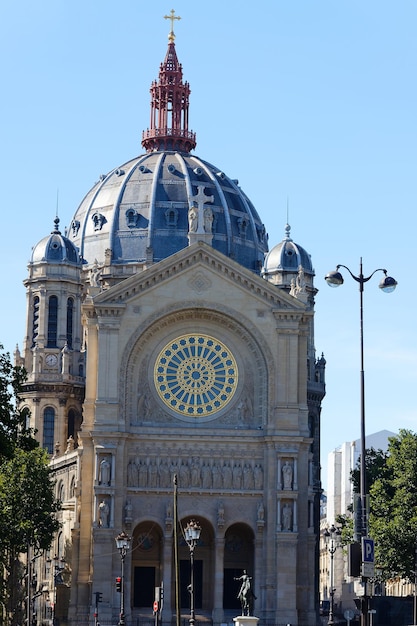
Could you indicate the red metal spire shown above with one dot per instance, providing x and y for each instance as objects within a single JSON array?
[{"x": 169, "y": 105}]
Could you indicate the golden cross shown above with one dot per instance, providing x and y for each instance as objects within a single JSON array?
[{"x": 172, "y": 17}]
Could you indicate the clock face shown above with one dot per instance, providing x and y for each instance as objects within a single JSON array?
[
  {"x": 51, "y": 360},
  {"x": 195, "y": 375}
]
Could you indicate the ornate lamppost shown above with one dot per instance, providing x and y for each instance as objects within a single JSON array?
[
  {"x": 331, "y": 537},
  {"x": 123, "y": 545},
  {"x": 192, "y": 535},
  {"x": 387, "y": 285}
]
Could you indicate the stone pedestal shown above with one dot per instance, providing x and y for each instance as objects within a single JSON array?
[{"x": 246, "y": 620}]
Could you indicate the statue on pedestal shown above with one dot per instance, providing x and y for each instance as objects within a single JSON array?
[{"x": 246, "y": 595}]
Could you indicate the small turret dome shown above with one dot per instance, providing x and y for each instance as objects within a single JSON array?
[
  {"x": 55, "y": 248},
  {"x": 287, "y": 256}
]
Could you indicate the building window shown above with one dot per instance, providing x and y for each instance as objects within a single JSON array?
[
  {"x": 52, "y": 321},
  {"x": 35, "y": 320},
  {"x": 70, "y": 322},
  {"x": 171, "y": 217},
  {"x": 48, "y": 429}
]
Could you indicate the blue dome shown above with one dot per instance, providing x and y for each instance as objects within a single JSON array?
[
  {"x": 138, "y": 213},
  {"x": 55, "y": 248},
  {"x": 287, "y": 256}
]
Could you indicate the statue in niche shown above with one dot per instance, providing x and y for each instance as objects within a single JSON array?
[
  {"x": 287, "y": 516},
  {"x": 287, "y": 475},
  {"x": 248, "y": 477},
  {"x": 261, "y": 512},
  {"x": 132, "y": 474},
  {"x": 103, "y": 514},
  {"x": 206, "y": 476},
  {"x": 237, "y": 476},
  {"x": 217, "y": 476},
  {"x": 192, "y": 219},
  {"x": 142, "y": 473},
  {"x": 164, "y": 474},
  {"x": 195, "y": 473},
  {"x": 173, "y": 471},
  {"x": 105, "y": 472},
  {"x": 258, "y": 476},
  {"x": 144, "y": 406},
  {"x": 184, "y": 475},
  {"x": 128, "y": 511},
  {"x": 152, "y": 474},
  {"x": 227, "y": 476},
  {"x": 243, "y": 410}
]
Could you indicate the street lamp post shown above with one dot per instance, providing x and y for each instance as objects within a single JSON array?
[
  {"x": 192, "y": 535},
  {"x": 387, "y": 284},
  {"x": 123, "y": 545},
  {"x": 331, "y": 536}
]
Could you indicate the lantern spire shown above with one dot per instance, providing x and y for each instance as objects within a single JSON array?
[{"x": 168, "y": 129}]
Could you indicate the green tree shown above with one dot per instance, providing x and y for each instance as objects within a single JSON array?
[
  {"x": 14, "y": 428},
  {"x": 393, "y": 516},
  {"x": 27, "y": 503},
  {"x": 375, "y": 466}
]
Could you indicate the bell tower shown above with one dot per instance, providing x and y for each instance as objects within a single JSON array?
[{"x": 52, "y": 350}]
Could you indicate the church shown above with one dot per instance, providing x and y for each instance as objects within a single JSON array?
[{"x": 172, "y": 376}]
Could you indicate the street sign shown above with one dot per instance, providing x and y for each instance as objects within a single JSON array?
[
  {"x": 348, "y": 615},
  {"x": 368, "y": 568},
  {"x": 367, "y": 550}
]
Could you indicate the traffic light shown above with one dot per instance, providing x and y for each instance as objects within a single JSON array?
[
  {"x": 118, "y": 584},
  {"x": 99, "y": 597}
]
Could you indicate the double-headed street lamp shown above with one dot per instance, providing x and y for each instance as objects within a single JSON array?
[
  {"x": 387, "y": 284},
  {"x": 331, "y": 537},
  {"x": 192, "y": 535},
  {"x": 123, "y": 545}
]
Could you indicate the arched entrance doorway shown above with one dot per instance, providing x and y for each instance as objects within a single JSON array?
[
  {"x": 203, "y": 569},
  {"x": 238, "y": 556},
  {"x": 146, "y": 564}
]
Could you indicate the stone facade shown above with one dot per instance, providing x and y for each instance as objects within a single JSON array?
[{"x": 193, "y": 366}]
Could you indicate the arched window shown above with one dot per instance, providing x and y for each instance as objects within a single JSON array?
[
  {"x": 52, "y": 321},
  {"x": 70, "y": 321},
  {"x": 48, "y": 429},
  {"x": 74, "y": 425},
  {"x": 35, "y": 320}
]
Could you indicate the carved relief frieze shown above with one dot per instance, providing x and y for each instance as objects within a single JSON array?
[{"x": 194, "y": 472}]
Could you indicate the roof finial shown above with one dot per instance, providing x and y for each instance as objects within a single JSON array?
[
  {"x": 172, "y": 17},
  {"x": 287, "y": 226}
]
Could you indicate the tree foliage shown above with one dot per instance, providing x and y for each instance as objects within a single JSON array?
[
  {"x": 393, "y": 518},
  {"x": 14, "y": 429},
  {"x": 27, "y": 502},
  {"x": 392, "y": 485}
]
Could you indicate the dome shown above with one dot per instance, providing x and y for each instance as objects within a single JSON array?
[
  {"x": 140, "y": 212},
  {"x": 287, "y": 256},
  {"x": 166, "y": 199},
  {"x": 55, "y": 248}
]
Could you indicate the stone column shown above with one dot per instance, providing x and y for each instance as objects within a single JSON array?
[{"x": 218, "y": 579}]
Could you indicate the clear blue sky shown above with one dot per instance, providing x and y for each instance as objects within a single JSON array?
[{"x": 307, "y": 102}]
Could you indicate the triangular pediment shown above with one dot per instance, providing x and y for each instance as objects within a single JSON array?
[{"x": 198, "y": 256}]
